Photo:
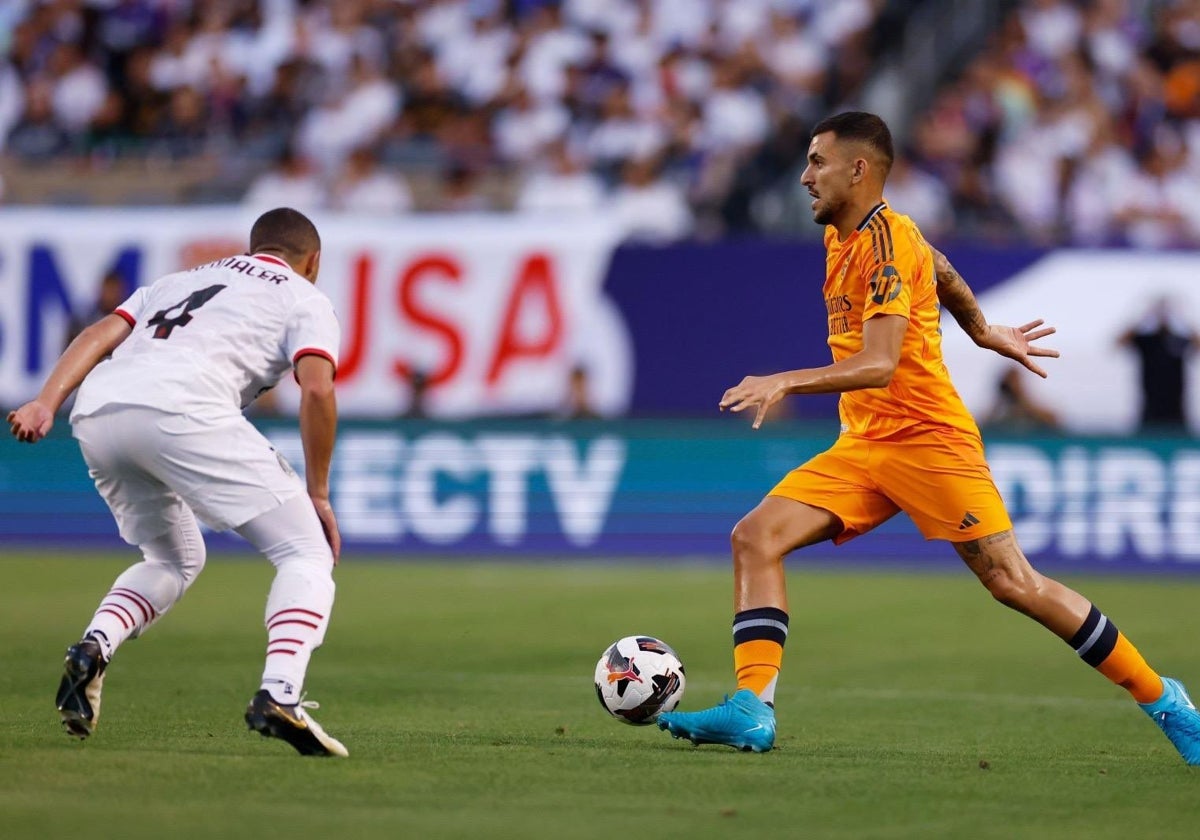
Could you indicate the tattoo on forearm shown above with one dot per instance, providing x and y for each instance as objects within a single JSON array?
[{"x": 956, "y": 296}]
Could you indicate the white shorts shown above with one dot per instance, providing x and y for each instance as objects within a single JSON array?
[{"x": 148, "y": 465}]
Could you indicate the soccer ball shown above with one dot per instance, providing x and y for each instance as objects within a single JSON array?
[{"x": 638, "y": 678}]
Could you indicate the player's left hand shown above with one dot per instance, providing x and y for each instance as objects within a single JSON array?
[
  {"x": 328, "y": 525},
  {"x": 761, "y": 391},
  {"x": 31, "y": 422},
  {"x": 1016, "y": 343}
]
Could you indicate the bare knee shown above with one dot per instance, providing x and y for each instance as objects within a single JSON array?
[
  {"x": 750, "y": 541},
  {"x": 1004, "y": 571},
  {"x": 757, "y": 541},
  {"x": 778, "y": 526},
  {"x": 1017, "y": 591}
]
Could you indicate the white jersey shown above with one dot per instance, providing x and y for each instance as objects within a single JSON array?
[{"x": 207, "y": 341}]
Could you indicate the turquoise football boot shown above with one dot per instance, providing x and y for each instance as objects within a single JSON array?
[
  {"x": 743, "y": 721},
  {"x": 1177, "y": 717}
]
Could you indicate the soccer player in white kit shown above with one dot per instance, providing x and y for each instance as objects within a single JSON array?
[{"x": 161, "y": 428}]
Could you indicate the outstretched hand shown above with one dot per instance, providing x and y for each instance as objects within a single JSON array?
[
  {"x": 752, "y": 391},
  {"x": 31, "y": 422},
  {"x": 1016, "y": 343}
]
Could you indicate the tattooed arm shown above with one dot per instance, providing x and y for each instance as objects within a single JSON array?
[
  {"x": 956, "y": 296},
  {"x": 1013, "y": 342}
]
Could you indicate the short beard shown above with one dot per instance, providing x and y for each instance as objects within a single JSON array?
[{"x": 826, "y": 213}]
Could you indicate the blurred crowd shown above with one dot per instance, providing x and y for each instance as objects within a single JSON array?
[
  {"x": 1078, "y": 122},
  {"x": 643, "y": 107}
]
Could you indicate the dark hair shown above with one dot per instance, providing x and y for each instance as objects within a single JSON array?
[
  {"x": 864, "y": 127},
  {"x": 285, "y": 230}
]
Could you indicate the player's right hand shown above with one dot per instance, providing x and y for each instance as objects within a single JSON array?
[
  {"x": 759, "y": 392},
  {"x": 31, "y": 422},
  {"x": 328, "y": 525}
]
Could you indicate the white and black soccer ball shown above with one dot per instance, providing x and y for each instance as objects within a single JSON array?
[{"x": 638, "y": 678}]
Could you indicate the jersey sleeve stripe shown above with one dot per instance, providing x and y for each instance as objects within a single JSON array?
[
  {"x": 889, "y": 247},
  {"x": 129, "y": 319},
  {"x": 313, "y": 351},
  {"x": 875, "y": 241},
  {"x": 881, "y": 229}
]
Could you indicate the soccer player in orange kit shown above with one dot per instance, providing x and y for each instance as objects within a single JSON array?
[{"x": 907, "y": 444}]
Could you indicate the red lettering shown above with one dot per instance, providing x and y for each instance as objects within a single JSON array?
[
  {"x": 535, "y": 286},
  {"x": 352, "y": 355},
  {"x": 435, "y": 267}
]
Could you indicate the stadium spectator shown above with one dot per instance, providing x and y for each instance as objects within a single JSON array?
[
  {"x": 460, "y": 191},
  {"x": 355, "y": 116},
  {"x": 523, "y": 128},
  {"x": 734, "y": 115},
  {"x": 920, "y": 195},
  {"x": 366, "y": 187},
  {"x": 183, "y": 127},
  {"x": 1159, "y": 208},
  {"x": 579, "y": 400},
  {"x": 1100, "y": 186},
  {"x": 1164, "y": 342},
  {"x": 12, "y": 100},
  {"x": 418, "y": 396},
  {"x": 1015, "y": 410},
  {"x": 113, "y": 290},
  {"x": 799, "y": 60},
  {"x": 562, "y": 185},
  {"x": 79, "y": 87},
  {"x": 292, "y": 182},
  {"x": 37, "y": 137},
  {"x": 621, "y": 132},
  {"x": 1053, "y": 26},
  {"x": 647, "y": 206}
]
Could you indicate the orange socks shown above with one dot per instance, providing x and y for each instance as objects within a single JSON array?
[
  {"x": 1100, "y": 644},
  {"x": 758, "y": 638},
  {"x": 757, "y": 664},
  {"x": 1126, "y": 667}
]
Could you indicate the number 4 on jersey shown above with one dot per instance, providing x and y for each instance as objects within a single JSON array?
[{"x": 164, "y": 322}]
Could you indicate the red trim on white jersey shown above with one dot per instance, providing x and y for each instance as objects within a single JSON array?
[
  {"x": 312, "y": 351},
  {"x": 271, "y": 259},
  {"x": 129, "y": 319}
]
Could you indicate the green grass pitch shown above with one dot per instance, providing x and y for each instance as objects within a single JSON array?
[{"x": 910, "y": 706}]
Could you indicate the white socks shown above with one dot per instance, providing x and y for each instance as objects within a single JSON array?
[
  {"x": 301, "y": 596},
  {"x": 146, "y": 590},
  {"x": 297, "y": 615},
  {"x": 298, "y": 605}
]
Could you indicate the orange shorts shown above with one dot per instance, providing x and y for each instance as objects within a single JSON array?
[{"x": 938, "y": 476}]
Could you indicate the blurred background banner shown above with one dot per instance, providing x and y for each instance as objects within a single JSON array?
[
  {"x": 456, "y": 317},
  {"x": 483, "y": 315},
  {"x": 703, "y": 315},
  {"x": 656, "y": 489}
]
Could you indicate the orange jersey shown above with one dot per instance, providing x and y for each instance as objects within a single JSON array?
[{"x": 884, "y": 267}]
